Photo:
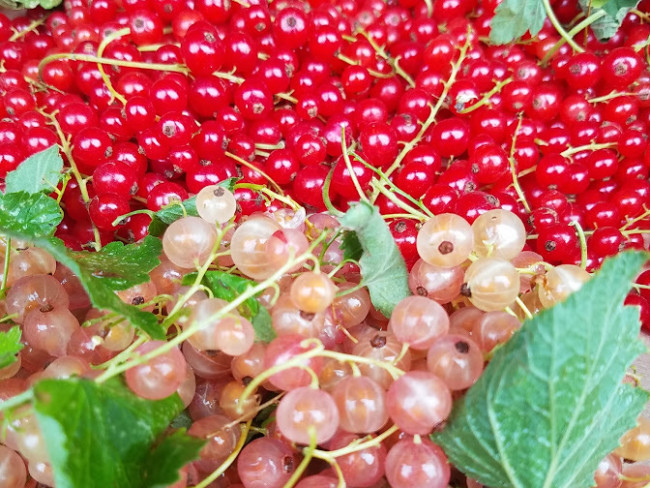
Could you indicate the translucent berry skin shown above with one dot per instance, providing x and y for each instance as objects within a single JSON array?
[
  {"x": 361, "y": 403},
  {"x": 189, "y": 241},
  {"x": 266, "y": 463},
  {"x": 12, "y": 469},
  {"x": 445, "y": 240},
  {"x": 159, "y": 377},
  {"x": 418, "y": 321},
  {"x": 306, "y": 410},
  {"x": 456, "y": 360},
  {"x": 492, "y": 284},
  {"x": 418, "y": 401},
  {"x": 410, "y": 464}
]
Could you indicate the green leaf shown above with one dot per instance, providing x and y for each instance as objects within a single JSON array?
[
  {"x": 615, "y": 11},
  {"x": 168, "y": 457},
  {"x": 382, "y": 266},
  {"x": 174, "y": 211},
  {"x": 10, "y": 346},
  {"x": 29, "y": 215},
  {"x": 551, "y": 403},
  {"x": 101, "y": 435},
  {"x": 513, "y": 18},
  {"x": 40, "y": 172},
  {"x": 100, "y": 288},
  {"x": 228, "y": 287},
  {"x": 121, "y": 266},
  {"x": 29, "y": 4},
  {"x": 351, "y": 246},
  {"x": 182, "y": 420}
]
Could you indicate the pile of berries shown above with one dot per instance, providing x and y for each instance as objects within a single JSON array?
[{"x": 506, "y": 175}]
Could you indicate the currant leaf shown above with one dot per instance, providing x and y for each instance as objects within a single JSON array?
[
  {"x": 121, "y": 266},
  {"x": 351, "y": 246},
  {"x": 29, "y": 4},
  {"x": 40, "y": 172},
  {"x": 228, "y": 287},
  {"x": 101, "y": 289},
  {"x": 513, "y": 18},
  {"x": 614, "y": 13},
  {"x": 10, "y": 345},
  {"x": 100, "y": 434},
  {"x": 382, "y": 266},
  {"x": 551, "y": 403},
  {"x": 29, "y": 215}
]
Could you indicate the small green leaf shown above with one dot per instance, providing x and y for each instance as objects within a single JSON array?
[
  {"x": 228, "y": 287},
  {"x": 121, "y": 266},
  {"x": 29, "y": 4},
  {"x": 382, "y": 266},
  {"x": 551, "y": 403},
  {"x": 513, "y": 18},
  {"x": 351, "y": 246},
  {"x": 101, "y": 289},
  {"x": 10, "y": 345},
  {"x": 175, "y": 210},
  {"x": 168, "y": 457},
  {"x": 181, "y": 421},
  {"x": 101, "y": 435},
  {"x": 615, "y": 11},
  {"x": 40, "y": 172},
  {"x": 29, "y": 215}
]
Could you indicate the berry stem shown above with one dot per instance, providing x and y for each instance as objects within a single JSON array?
[
  {"x": 558, "y": 27},
  {"x": 17, "y": 400},
  {"x": 326, "y": 196},
  {"x": 588, "y": 147},
  {"x": 513, "y": 169},
  {"x": 398, "y": 69},
  {"x": 230, "y": 459},
  {"x": 583, "y": 243},
  {"x": 356, "y": 445},
  {"x": 5, "y": 269},
  {"x": 177, "y": 68},
  {"x": 263, "y": 189},
  {"x": 487, "y": 96},
  {"x": 250, "y": 165},
  {"x": 586, "y": 22},
  {"x": 30, "y": 28},
  {"x": 100, "y": 51},
  {"x": 308, "y": 453},
  {"x": 524, "y": 308},
  {"x": 348, "y": 165}
]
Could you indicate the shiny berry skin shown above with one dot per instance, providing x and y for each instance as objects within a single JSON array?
[
  {"x": 253, "y": 99},
  {"x": 342, "y": 182},
  {"x": 176, "y": 129},
  {"x": 282, "y": 166},
  {"x": 379, "y": 144},
  {"x": 92, "y": 146},
  {"x": 164, "y": 194},
  {"x": 405, "y": 233},
  {"x": 557, "y": 243},
  {"x": 489, "y": 163},
  {"x": 620, "y": 67},
  {"x": 606, "y": 241},
  {"x": 168, "y": 95},
  {"x": 202, "y": 49},
  {"x": 415, "y": 178},
  {"x": 307, "y": 187},
  {"x": 115, "y": 177},
  {"x": 105, "y": 208},
  {"x": 450, "y": 137},
  {"x": 146, "y": 27}
]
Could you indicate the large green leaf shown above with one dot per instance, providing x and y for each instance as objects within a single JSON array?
[
  {"x": 513, "y": 18},
  {"x": 551, "y": 403},
  {"x": 29, "y": 215},
  {"x": 102, "y": 435},
  {"x": 121, "y": 266},
  {"x": 38, "y": 173},
  {"x": 100, "y": 283},
  {"x": 382, "y": 266}
]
